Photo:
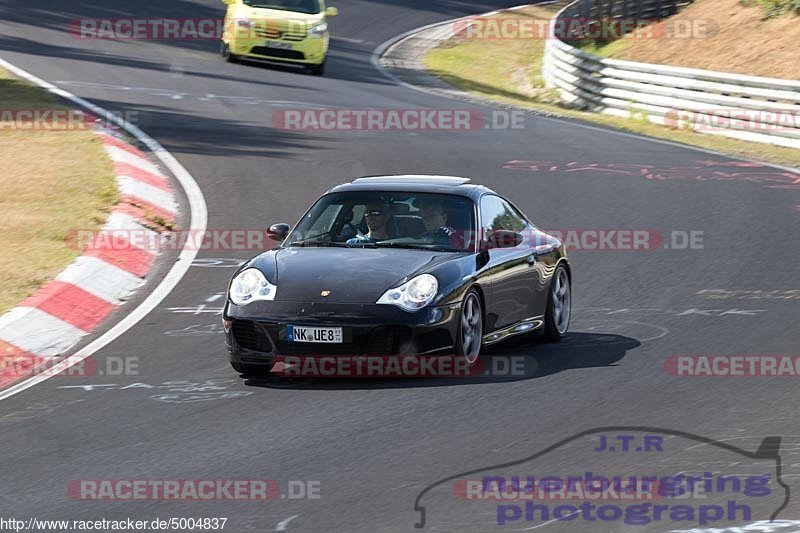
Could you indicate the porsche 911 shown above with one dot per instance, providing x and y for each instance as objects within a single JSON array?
[{"x": 394, "y": 265}]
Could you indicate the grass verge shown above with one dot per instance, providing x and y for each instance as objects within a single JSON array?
[
  {"x": 509, "y": 71},
  {"x": 51, "y": 182}
]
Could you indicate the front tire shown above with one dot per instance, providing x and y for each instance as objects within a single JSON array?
[
  {"x": 226, "y": 53},
  {"x": 559, "y": 306},
  {"x": 470, "y": 328},
  {"x": 317, "y": 70}
]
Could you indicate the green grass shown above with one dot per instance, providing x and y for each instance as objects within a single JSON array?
[
  {"x": 603, "y": 48},
  {"x": 775, "y": 8}
]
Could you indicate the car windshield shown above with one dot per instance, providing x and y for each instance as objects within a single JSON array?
[
  {"x": 376, "y": 219},
  {"x": 298, "y": 6}
]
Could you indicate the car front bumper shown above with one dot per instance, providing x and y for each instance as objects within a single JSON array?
[
  {"x": 309, "y": 51},
  {"x": 257, "y": 334}
]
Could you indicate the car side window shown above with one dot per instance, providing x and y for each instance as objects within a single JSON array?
[{"x": 497, "y": 214}]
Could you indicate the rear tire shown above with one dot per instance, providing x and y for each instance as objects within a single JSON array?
[
  {"x": 470, "y": 328},
  {"x": 559, "y": 306},
  {"x": 317, "y": 70}
]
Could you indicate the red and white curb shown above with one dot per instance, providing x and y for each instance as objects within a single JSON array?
[{"x": 51, "y": 321}]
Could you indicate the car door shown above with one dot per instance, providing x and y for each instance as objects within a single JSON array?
[{"x": 512, "y": 275}]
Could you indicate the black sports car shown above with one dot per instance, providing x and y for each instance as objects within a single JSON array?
[{"x": 398, "y": 265}]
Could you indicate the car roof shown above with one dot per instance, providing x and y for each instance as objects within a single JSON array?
[{"x": 416, "y": 183}]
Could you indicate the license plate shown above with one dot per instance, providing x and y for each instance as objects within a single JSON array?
[
  {"x": 306, "y": 334},
  {"x": 279, "y": 45}
]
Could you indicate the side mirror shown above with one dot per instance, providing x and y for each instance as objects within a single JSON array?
[
  {"x": 501, "y": 239},
  {"x": 278, "y": 232},
  {"x": 331, "y": 12}
]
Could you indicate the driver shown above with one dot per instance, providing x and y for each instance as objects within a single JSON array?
[{"x": 377, "y": 217}]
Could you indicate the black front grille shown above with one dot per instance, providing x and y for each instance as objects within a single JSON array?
[
  {"x": 382, "y": 340},
  {"x": 277, "y": 52},
  {"x": 386, "y": 340},
  {"x": 251, "y": 336},
  {"x": 305, "y": 348}
]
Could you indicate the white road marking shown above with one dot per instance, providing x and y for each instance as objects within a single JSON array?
[
  {"x": 197, "y": 310},
  {"x": 348, "y": 40},
  {"x": 199, "y": 220},
  {"x": 218, "y": 262},
  {"x": 283, "y": 525},
  {"x": 166, "y": 93},
  {"x": 548, "y": 522}
]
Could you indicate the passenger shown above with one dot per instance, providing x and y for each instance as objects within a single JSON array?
[
  {"x": 435, "y": 220},
  {"x": 377, "y": 216}
]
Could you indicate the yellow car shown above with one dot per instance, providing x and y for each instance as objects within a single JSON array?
[{"x": 294, "y": 31}]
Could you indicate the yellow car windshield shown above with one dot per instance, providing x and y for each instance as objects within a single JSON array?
[{"x": 298, "y": 6}]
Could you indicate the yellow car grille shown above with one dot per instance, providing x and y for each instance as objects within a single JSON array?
[{"x": 275, "y": 31}]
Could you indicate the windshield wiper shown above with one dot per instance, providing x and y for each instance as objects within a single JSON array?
[
  {"x": 318, "y": 243},
  {"x": 414, "y": 246}
]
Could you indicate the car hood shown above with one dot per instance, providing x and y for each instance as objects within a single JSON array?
[
  {"x": 260, "y": 14},
  {"x": 352, "y": 275}
]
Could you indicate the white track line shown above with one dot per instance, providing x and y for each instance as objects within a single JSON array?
[
  {"x": 283, "y": 525},
  {"x": 199, "y": 219}
]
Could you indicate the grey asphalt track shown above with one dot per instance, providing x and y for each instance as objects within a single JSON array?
[{"x": 374, "y": 445}]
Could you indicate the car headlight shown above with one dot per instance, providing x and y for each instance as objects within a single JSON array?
[
  {"x": 319, "y": 30},
  {"x": 413, "y": 294},
  {"x": 250, "y": 285}
]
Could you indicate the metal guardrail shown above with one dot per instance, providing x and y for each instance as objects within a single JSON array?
[{"x": 744, "y": 107}]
